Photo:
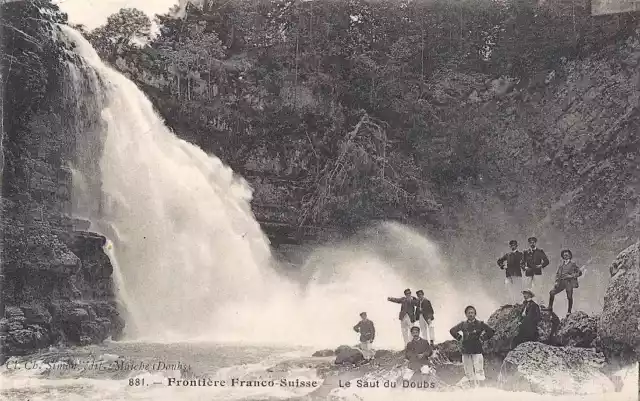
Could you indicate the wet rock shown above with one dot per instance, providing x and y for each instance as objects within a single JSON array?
[
  {"x": 346, "y": 355},
  {"x": 541, "y": 368},
  {"x": 22, "y": 341},
  {"x": 324, "y": 352},
  {"x": 506, "y": 321},
  {"x": 451, "y": 350},
  {"x": 578, "y": 330},
  {"x": 383, "y": 353},
  {"x": 619, "y": 325}
]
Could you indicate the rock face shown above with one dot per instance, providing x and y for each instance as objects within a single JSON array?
[
  {"x": 506, "y": 320},
  {"x": 578, "y": 330},
  {"x": 619, "y": 325},
  {"x": 541, "y": 368},
  {"x": 56, "y": 279}
]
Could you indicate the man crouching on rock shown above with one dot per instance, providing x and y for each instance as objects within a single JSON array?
[
  {"x": 417, "y": 352},
  {"x": 367, "y": 333},
  {"x": 473, "y": 332}
]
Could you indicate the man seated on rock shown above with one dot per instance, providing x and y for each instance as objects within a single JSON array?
[
  {"x": 424, "y": 315},
  {"x": 417, "y": 351},
  {"x": 528, "y": 329},
  {"x": 407, "y": 313},
  {"x": 513, "y": 265},
  {"x": 367, "y": 333},
  {"x": 566, "y": 279},
  {"x": 473, "y": 333}
]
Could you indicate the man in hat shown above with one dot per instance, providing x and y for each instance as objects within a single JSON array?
[
  {"x": 566, "y": 279},
  {"x": 513, "y": 264},
  {"x": 424, "y": 316},
  {"x": 529, "y": 319},
  {"x": 367, "y": 333},
  {"x": 417, "y": 351},
  {"x": 407, "y": 313},
  {"x": 535, "y": 260}
]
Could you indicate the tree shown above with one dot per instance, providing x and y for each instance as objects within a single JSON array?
[{"x": 127, "y": 28}]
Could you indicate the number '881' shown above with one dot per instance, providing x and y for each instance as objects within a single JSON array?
[{"x": 136, "y": 382}]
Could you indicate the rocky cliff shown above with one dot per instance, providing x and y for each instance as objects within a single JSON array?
[{"x": 56, "y": 278}]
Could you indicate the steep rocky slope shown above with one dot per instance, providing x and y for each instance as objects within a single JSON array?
[{"x": 56, "y": 278}]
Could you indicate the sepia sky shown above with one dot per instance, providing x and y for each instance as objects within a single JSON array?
[{"x": 93, "y": 13}]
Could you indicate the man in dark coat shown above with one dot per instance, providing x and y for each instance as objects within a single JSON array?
[
  {"x": 424, "y": 316},
  {"x": 528, "y": 329},
  {"x": 417, "y": 351},
  {"x": 473, "y": 331},
  {"x": 513, "y": 264},
  {"x": 407, "y": 313},
  {"x": 534, "y": 260},
  {"x": 367, "y": 333}
]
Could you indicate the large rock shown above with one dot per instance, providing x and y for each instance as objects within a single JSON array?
[
  {"x": 541, "y": 368},
  {"x": 619, "y": 325},
  {"x": 347, "y": 355},
  {"x": 451, "y": 350},
  {"x": 506, "y": 320},
  {"x": 578, "y": 330}
]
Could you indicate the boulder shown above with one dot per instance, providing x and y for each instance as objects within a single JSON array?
[
  {"x": 578, "y": 330},
  {"x": 506, "y": 320},
  {"x": 619, "y": 324},
  {"x": 323, "y": 353},
  {"x": 383, "y": 353},
  {"x": 451, "y": 350},
  {"x": 347, "y": 355},
  {"x": 541, "y": 368}
]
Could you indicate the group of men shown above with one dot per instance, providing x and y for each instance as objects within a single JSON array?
[
  {"x": 412, "y": 310},
  {"x": 531, "y": 262},
  {"x": 471, "y": 332}
]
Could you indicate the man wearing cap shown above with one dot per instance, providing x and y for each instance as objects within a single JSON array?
[
  {"x": 417, "y": 350},
  {"x": 535, "y": 260},
  {"x": 424, "y": 316},
  {"x": 407, "y": 313},
  {"x": 367, "y": 333},
  {"x": 529, "y": 319},
  {"x": 514, "y": 262}
]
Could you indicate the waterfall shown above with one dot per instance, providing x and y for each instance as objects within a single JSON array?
[{"x": 194, "y": 263}]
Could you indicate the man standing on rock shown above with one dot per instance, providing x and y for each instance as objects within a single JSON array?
[
  {"x": 417, "y": 351},
  {"x": 514, "y": 266},
  {"x": 473, "y": 333},
  {"x": 424, "y": 316},
  {"x": 528, "y": 329},
  {"x": 535, "y": 260},
  {"x": 566, "y": 279},
  {"x": 367, "y": 333},
  {"x": 407, "y": 313}
]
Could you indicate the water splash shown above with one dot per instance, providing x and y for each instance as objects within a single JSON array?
[{"x": 196, "y": 265}]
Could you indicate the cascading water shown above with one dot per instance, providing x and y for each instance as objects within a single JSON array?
[{"x": 195, "y": 264}]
